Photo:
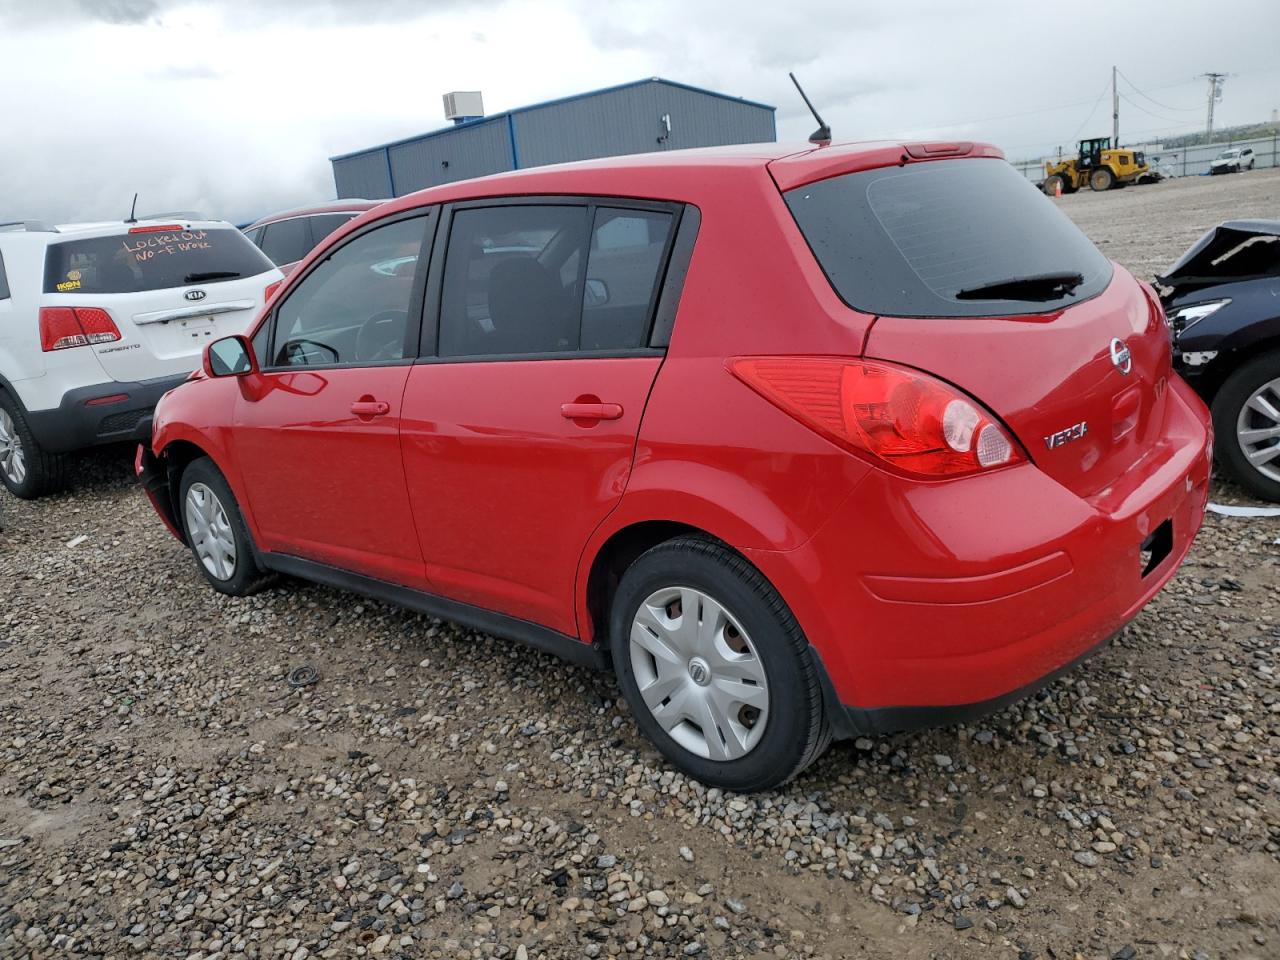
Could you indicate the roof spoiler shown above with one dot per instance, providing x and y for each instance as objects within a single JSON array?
[
  {"x": 30, "y": 226},
  {"x": 173, "y": 215}
]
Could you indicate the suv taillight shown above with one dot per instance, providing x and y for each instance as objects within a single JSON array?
[
  {"x": 906, "y": 419},
  {"x": 271, "y": 291},
  {"x": 65, "y": 327}
]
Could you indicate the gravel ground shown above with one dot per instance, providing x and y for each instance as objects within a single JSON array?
[{"x": 164, "y": 791}]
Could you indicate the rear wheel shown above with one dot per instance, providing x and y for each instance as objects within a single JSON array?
[
  {"x": 1101, "y": 179},
  {"x": 1246, "y": 423},
  {"x": 715, "y": 667},
  {"x": 216, "y": 531},
  {"x": 26, "y": 469}
]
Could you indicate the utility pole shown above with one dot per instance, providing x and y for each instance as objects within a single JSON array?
[
  {"x": 1115, "y": 111},
  {"x": 1215, "y": 94}
]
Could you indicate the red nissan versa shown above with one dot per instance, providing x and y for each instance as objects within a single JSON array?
[{"x": 811, "y": 443}]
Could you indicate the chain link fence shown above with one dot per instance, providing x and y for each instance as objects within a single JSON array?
[{"x": 1184, "y": 161}]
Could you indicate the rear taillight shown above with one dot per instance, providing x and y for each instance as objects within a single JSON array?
[
  {"x": 901, "y": 417},
  {"x": 64, "y": 327},
  {"x": 158, "y": 228},
  {"x": 270, "y": 292}
]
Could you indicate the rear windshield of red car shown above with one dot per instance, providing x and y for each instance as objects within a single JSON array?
[
  {"x": 155, "y": 260},
  {"x": 918, "y": 240}
]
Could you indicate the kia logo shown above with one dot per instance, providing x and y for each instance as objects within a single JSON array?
[
  {"x": 194, "y": 294},
  {"x": 1121, "y": 356}
]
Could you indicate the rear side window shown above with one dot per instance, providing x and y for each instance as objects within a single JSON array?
[
  {"x": 513, "y": 280},
  {"x": 287, "y": 241},
  {"x": 156, "y": 260},
  {"x": 4, "y": 280},
  {"x": 628, "y": 249},
  {"x": 326, "y": 223},
  {"x": 923, "y": 240}
]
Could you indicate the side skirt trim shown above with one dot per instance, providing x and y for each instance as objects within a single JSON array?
[{"x": 477, "y": 618}]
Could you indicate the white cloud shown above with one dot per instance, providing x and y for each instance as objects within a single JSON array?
[{"x": 234, "y": 106}]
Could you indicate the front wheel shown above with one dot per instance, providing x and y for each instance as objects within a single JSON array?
[
  {"x": 715, "y": 667},
  {"x": 1246, "y": 423},
  {"x": 216, "y": 531}
]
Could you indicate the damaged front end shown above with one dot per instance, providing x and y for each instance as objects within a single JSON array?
[{"x": 153, "y": 476}]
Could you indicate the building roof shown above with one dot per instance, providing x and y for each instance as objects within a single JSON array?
[{"x": 492, "y": 117}]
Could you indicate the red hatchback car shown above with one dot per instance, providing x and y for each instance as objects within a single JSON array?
[{"x": 807, "y": 443}]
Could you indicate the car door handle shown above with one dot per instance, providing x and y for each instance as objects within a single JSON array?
[
  {"x": 591, "y": 411},
  {"x": 370, "y": 408}
]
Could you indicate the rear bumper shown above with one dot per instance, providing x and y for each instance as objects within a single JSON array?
[
  {"x": 103, "y": 413},
  {"x": 928, "y": 604}
]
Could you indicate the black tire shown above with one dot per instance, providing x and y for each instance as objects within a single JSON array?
[
  {"x": 245, "y": 576},
  {"x": 1052, "y": 182},
  {"x": 44, "y": 472},
  {"x": 1101, "y": 179},
  {"x": 796, "y": 731},
  {"x": 1227, "y": 406}
]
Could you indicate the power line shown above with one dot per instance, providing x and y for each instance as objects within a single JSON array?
[
  {"x": 1153, "y": 99},
  {"x": 1091, "y": 112},
  {"x": 1138, "y": 106}
]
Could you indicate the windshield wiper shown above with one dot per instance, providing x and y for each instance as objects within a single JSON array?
[
  {"x": 211, "y": 275},
  {"x": 1041, "y": 286}
]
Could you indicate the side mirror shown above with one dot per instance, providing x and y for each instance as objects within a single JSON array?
[
  {"x": 597, "y": 293},
  {"x": 229, "y": 357}
]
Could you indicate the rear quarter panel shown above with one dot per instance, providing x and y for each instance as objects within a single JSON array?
[{"x": 711, "y": 452}]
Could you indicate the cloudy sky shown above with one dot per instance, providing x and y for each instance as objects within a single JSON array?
[{"x": 234, "y": 106}]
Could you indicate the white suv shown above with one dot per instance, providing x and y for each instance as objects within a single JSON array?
[{"x": 98, "y": 320}]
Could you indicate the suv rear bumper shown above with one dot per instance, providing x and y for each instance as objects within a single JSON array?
[{"x": 102, "y": 413}]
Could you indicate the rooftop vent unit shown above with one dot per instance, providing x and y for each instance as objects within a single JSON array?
[{"x": 463, "y": 105}]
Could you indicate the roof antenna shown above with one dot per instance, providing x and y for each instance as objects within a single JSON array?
[
  {"x": 821, "y": 136},
  {"x": 134, "y": 209}
]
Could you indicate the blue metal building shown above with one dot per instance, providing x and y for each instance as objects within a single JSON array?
[{"x": 637, "y": 117}]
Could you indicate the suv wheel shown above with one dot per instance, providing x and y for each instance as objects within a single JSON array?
[
  {"x": 216, "y": 531},
  {"x": 715, "y": 667},
  {"x": 1246, "y": 422},
  {"x": 25, "y": 469}
]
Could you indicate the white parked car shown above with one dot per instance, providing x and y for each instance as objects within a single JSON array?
[
  {"x": 1235, "y": 160},
  {"x": 98, "y": 321}
]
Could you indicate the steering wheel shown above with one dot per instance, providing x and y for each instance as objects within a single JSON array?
[
  {"x": 381, "y": 337},
  {"x": 298, "y": 353}
]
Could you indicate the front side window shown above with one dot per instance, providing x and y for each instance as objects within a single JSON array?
[
  {"x": 513, "y": 280},
  {"x": 353, "y": 308},
  {"x": 150, "y": 259},
  {"x": 287, "y": 241}
]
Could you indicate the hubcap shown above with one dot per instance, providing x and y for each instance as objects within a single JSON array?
[
  {"x": 210, "y": 531},
  {"x": 13, "y": 460},
  {"x": 699, "y": 673},
  {"x": 1258, "y": 429}
]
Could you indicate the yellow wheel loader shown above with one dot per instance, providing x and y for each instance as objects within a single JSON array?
[{"x": 1098, "y": 165}]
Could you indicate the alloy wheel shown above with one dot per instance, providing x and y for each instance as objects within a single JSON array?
[
  {"x": 210, "y": 531},
  {"x": 699, "y": 673},
  {"x": 13, "y": 459},
  {"x": 1258, "y": 429}
]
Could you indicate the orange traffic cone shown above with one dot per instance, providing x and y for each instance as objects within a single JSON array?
[{"x": 1057, "y": 188}]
